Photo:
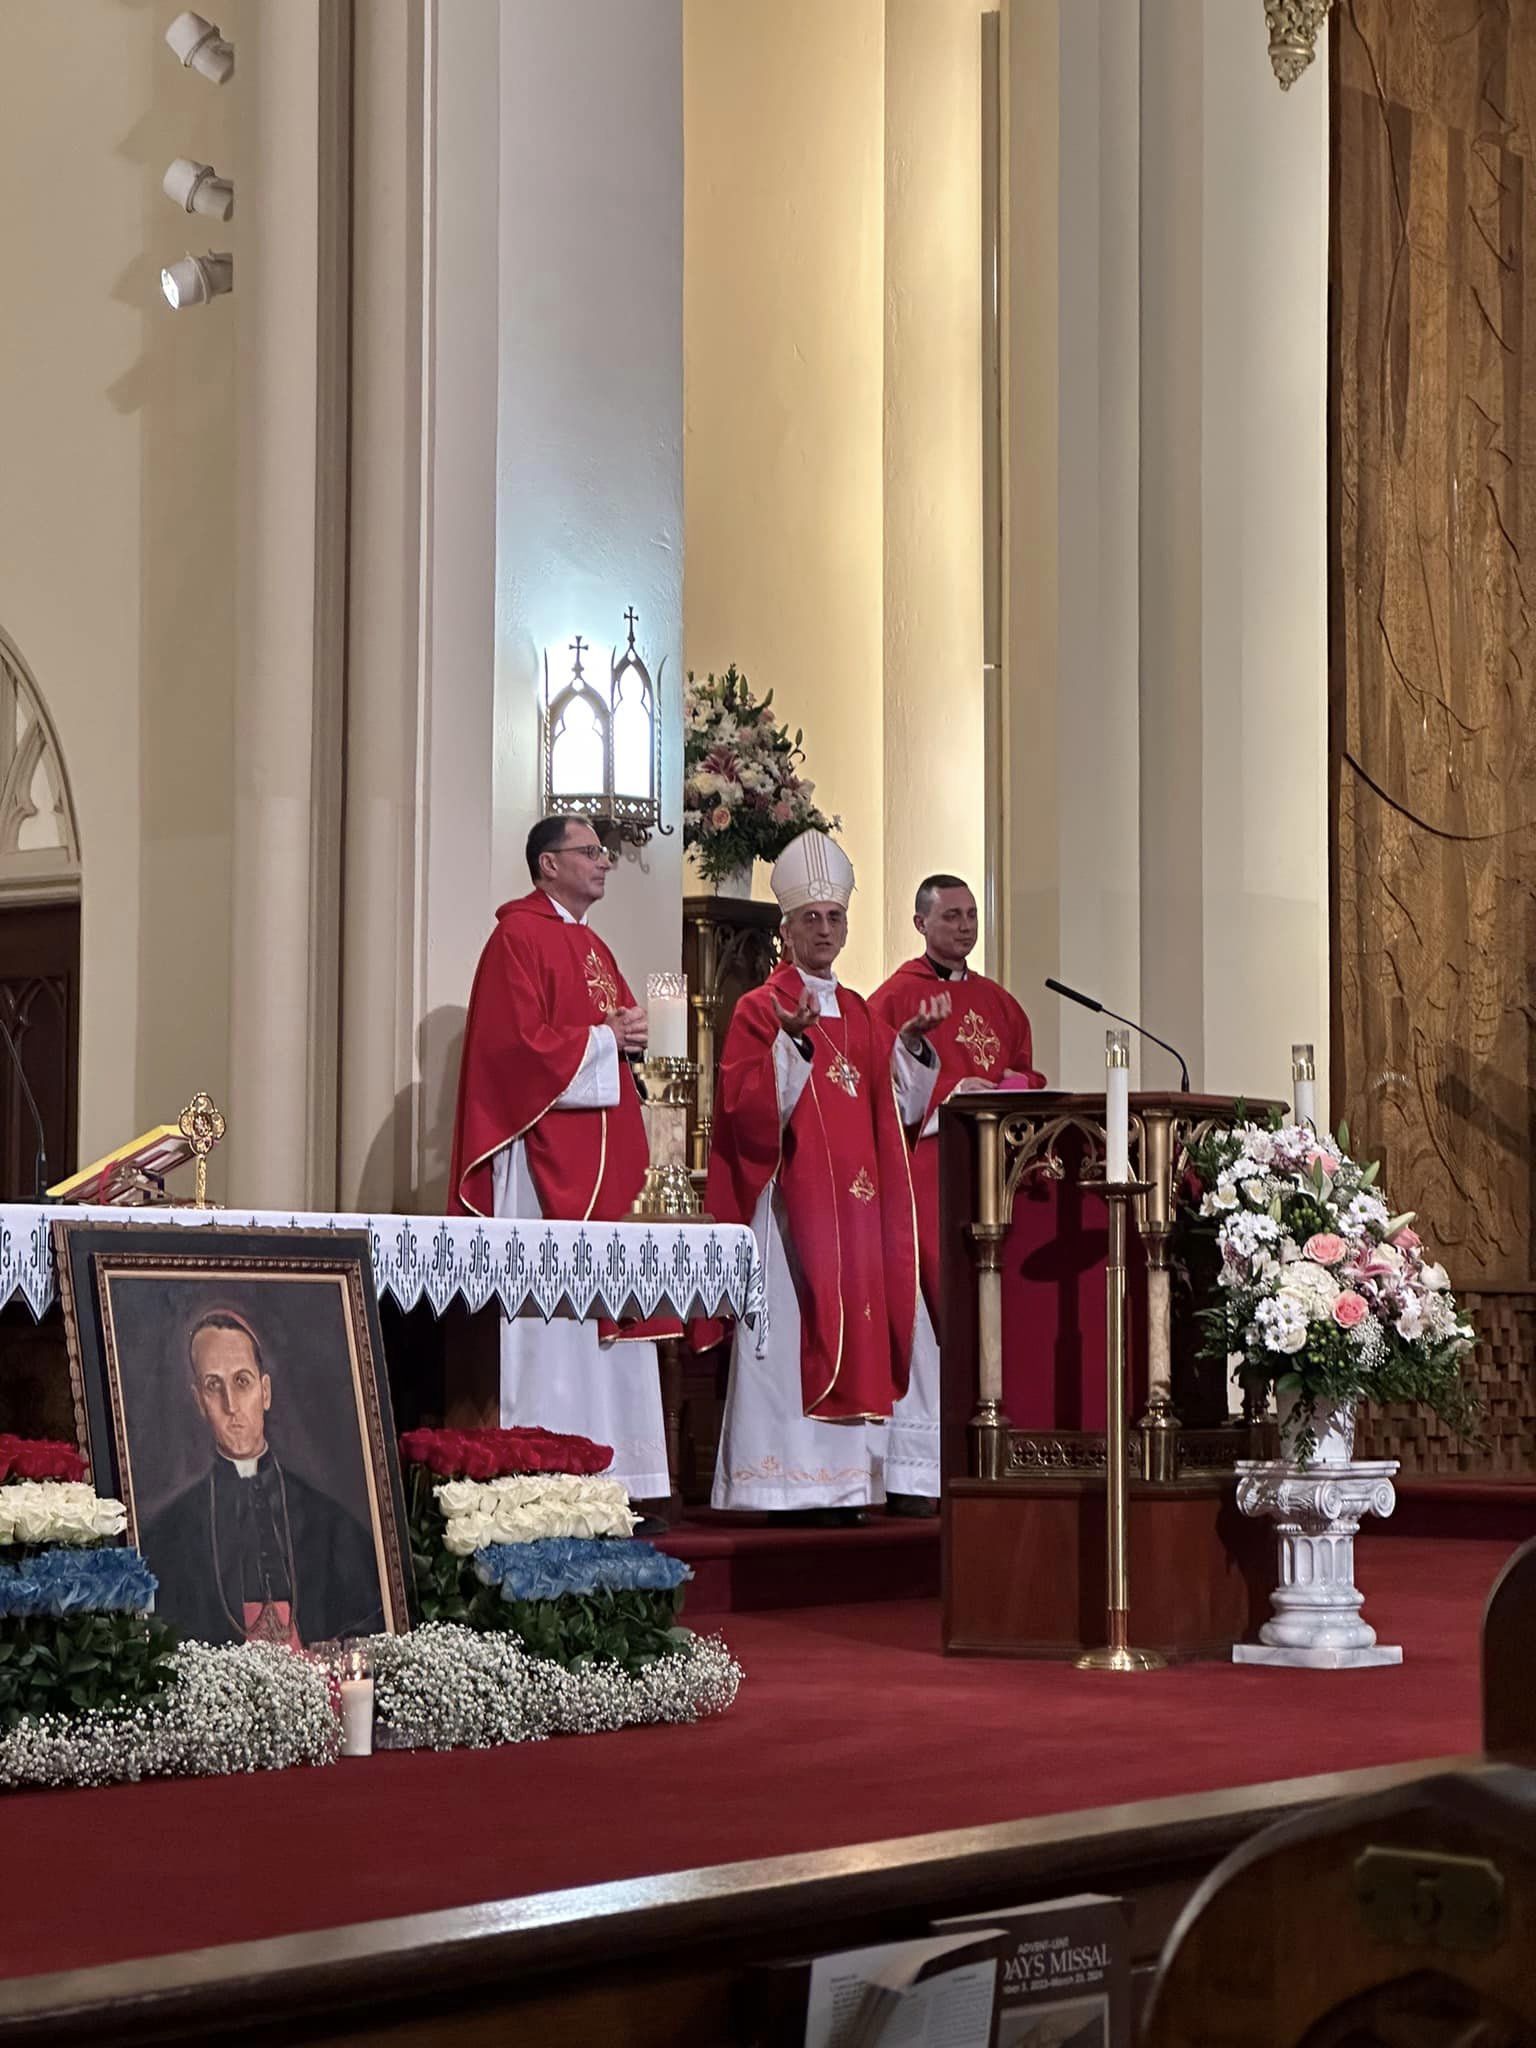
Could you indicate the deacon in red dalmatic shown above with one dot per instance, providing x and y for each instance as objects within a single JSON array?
[
  {"x": 549, "y": 1124},
  {"x": 809, "y": 1148},
  {"x": 984, "y": 1042}
]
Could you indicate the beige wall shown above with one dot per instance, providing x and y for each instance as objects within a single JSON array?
[
  {"x": 117, "y": 434},
  {"x": 833, "y": 363}
]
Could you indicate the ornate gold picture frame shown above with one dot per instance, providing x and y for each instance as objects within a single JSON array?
[{"x": 229, "y": 1388}]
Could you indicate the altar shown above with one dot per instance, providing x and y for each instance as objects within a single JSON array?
[{"x": 442, "y": 1282}]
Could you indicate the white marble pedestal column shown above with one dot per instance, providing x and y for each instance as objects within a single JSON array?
[{"x": 1316, "y": 1623}]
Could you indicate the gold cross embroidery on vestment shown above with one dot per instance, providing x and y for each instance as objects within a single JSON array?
[
  {"x": 601, "y": 986},
  {"x": 980, "y": 1041},
  {"x": 862, "y": 1188}
]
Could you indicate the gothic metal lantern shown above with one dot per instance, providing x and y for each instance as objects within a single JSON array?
[{"x": 602, "y": 749}]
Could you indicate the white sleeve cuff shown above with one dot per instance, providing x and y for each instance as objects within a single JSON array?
[
  {"x": 791, "y": 1071},
  {"x": 915, "y": 1083},
  {"x": 596, "y": 1084}
]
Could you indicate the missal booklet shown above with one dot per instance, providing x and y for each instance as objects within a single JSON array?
[
  {"x": 1064, "y": 1975},
  {"x": 935, "y": 1993}
]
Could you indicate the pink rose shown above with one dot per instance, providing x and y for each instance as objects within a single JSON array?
[
  {"x": 1326, "y": 1161},
  {"x": 1324, "y": 1248},
  {"x": 782, "y": 813},
  {"x": 1349, "y": 1309},
  {"x": 720, "y": 817},
  {"x": 1407, "y": 1239}
]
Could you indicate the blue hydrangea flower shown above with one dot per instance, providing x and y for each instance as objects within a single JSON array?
[
  {"x": 59, "y": 1582},
  {"x": 556, "y": 1565}
]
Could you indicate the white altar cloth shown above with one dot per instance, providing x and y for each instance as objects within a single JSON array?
[{"x": 528, "y": 1267}]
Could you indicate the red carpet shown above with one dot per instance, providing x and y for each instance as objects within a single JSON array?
[
  {"x": 745, "y": 1562},
  {"x": 851, "y": 1727}
]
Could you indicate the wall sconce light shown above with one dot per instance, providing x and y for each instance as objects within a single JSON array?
[
  {"x": 602, "y": 748},
  {"x": 198, "y": 188},
  {"x": 1293, "y": 29},
  {"x": 197, "y": 279},
  {"x": 200, "y": 47}
]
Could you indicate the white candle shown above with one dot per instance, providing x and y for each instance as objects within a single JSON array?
[
  {"x": 666, "y": 1015},
  {"x": 1304, "y": 1085},
  {"x": 357, "y": 1717},
  {"x": 1117, "y": 1105}
]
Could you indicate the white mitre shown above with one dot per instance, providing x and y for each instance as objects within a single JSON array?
[{"x": 811, "y": 869}]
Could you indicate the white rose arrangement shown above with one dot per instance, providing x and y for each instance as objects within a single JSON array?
[
  {"x": 477, "y": 1512},
  {"x": 58, "y": 1511}
]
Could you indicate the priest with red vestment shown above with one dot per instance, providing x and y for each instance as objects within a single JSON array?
[
  {"x": 984, "y": 1042},
  {"x": 549, "y": 1124},
  {"x": 809, "y": 1147}
]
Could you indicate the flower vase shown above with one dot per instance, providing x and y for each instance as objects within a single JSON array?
[
  {"x": 737, "y": 883},
  {"x": 1318, "y": 1504},
  {"x": 1333, "y": 1428}
]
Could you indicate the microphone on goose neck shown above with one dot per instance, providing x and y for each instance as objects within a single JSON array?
[{"x": 1088, "y": 1002}]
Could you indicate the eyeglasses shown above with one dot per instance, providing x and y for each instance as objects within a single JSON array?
[{"x": 594, "y": 849}]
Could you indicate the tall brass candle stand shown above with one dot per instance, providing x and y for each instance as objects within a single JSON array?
[{"x": 1117, "y": 1655}]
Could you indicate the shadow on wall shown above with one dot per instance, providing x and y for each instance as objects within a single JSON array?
[{"x": 406, "y": 1172}]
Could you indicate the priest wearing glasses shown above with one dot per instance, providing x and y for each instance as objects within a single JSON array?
[
  {"x": 809, "y": 1147},
  {"x": 549, "y": 1124}
]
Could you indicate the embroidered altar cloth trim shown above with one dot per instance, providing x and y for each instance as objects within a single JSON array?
[{"x": 527, "y": 1267}]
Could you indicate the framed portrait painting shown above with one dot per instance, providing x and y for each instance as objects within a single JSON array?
[{"x": 230, "y": 1390}]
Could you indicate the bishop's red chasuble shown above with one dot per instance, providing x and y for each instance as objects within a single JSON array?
[
  {"x": 541, "y": 985},
  {"x": 985, "y": 1036},
  {"x": 843, "y": 1174}
]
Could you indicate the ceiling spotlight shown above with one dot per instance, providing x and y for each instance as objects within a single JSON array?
[
  {"x": 198, "y": 44},
  {"x": 198, "y": 188},
  {"x": 197, "y": 279}
]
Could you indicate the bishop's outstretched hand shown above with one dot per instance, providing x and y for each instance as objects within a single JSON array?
[
  {"x": 796, "y": 1022},
  {"x": 931, "y": 1012}
]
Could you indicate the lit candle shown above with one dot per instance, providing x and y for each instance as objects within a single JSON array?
[
  {"x": 356, "y": 1705},
  {"x": 1117, "y": 1105},
  {"x": 666, "y": 1013},
  {"x": 1304, "y": 1085}
]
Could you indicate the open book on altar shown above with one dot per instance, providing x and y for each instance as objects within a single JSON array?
[{"x": 135, "y": 1172}]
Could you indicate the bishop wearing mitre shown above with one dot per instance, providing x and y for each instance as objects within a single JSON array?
[
  {"x": 808, "y": 1146},
  {"x": 984, "y": 1042},
  {"x": 549, "y": 1124}
]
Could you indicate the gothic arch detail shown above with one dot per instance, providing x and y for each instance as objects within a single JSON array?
[{"x": 39, "y": 836}]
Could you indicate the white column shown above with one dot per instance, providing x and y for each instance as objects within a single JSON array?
[
  {"x": 384, "y": 593},
  {"x": 290, "y": 302},
  {"x": 457, "y": 884},
  {"x": 589, "y": 448},
  {"x": 1234, "y": 538},
  {"x": 1071, "y": 375}
]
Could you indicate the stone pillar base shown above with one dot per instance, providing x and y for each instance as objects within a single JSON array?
[{"x": 1317, "y": 1624}]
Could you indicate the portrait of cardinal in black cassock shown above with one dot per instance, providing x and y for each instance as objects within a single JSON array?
[{"x": 250, "y": 1551}]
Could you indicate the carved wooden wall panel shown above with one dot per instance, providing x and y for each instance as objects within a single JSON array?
[{"x": 1433, "y": 655}]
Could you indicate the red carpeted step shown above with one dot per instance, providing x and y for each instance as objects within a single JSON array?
[{"x": 745, "y": 1562}]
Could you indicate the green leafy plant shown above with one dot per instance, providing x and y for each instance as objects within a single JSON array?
[{"x": 82, "y": 1661}]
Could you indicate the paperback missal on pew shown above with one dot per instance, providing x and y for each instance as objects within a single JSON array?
[{"x": 1064, "y": 1972}]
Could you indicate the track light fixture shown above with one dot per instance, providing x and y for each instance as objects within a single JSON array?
[
  {"x": 197, "y": 279},
  {"x": 198, "y": 44},
  {"x": 198, "y": 188}
]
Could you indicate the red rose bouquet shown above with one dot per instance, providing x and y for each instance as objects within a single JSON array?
[
  {"x": 35, "y": 1458},
  {"x": 500, "y": 1453}
]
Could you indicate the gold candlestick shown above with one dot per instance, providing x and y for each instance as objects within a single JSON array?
[
  {"x": 1117, "y": 1655},
  {"x": 667, "y": 1193},
  {"x": 202, "y": 1125}
]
